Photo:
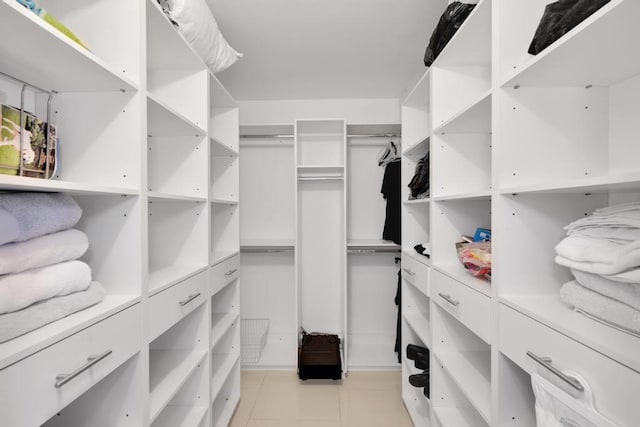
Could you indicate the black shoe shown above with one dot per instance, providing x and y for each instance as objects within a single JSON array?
[
  {"x": 412, "y": 350},
  {"x": 422, "y": 361},
  {"x": 419, "y": 380},
  {"x": 426, "y": 391}
]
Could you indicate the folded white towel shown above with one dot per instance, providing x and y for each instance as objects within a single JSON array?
[
  {"x": 601, "y": 307},
  {"x": 615, "y": 234},
  {"x": 624, "y": 220},
  {"x": 38, "y": 214},
  {"x": 42, "y": 251},
  {"x": 623, "y": 207},
  {"x": 629, "y": 276},
  {"x": 597, "y": 255},
  {"x": 9, "y": 229},
  {"x": 20, "y": 290},
  {"x": 626, "y": 293},
  {"x": 37, "y": 315}
]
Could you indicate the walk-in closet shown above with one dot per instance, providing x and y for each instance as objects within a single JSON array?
[{"x": 286, "y": 214}]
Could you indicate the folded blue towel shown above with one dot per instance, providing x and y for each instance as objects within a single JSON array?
[
  {"x": 9, "y": 229},
  {"x": 38, "y": 214},
  {"x": 42, "y": 313}
]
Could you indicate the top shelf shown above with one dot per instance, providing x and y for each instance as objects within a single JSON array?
[
  {"x": 60, "y": 64},
  {"x": 471, "y": 44},
  {"x": 590, "y": 54}
]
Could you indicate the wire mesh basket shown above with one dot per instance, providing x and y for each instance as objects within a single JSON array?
[{"x": 253, "y": 336}]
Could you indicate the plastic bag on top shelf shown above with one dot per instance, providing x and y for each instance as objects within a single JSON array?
[
  {"x": 559, "y": 18},
  {"x": 452, "y": 18}
]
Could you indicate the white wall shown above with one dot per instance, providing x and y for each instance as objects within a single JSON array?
[{"x": 352, "y": 110}]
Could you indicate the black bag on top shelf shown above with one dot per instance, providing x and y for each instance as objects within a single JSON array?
[
  {"x": 450, "y": 21},
  {"x": 559, "y": 18}
]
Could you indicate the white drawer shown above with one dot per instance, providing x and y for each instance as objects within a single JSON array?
[
  {"x": 416, "y": 273},
  {"x": 615, "y": 387},
  {"x": 169, "y": 306},
  {"x": 470, "y": 307},
  {"x": 28, "y": 392},
  {"x": 223, "y": 274}
]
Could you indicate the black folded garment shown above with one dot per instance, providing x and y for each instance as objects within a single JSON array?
[
  {"x": 559, "y": 18},
  {"x": 422, "y": 250},
  {"x": 452, "y": 18}
]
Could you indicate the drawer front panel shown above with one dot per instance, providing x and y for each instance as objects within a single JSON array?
[
  {"x": 416, "y": 273},
  {"x": 224, "y": 273},
  {"x": 169, "y": 306},
  {"x": 614, "y": 386},
  {"x": 472, "y": 308},
  {"x": 33, "y": 390}
]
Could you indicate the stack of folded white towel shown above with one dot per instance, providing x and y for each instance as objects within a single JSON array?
[
  {"x": 41, "y": 279},
  {"x": 603, "y": 253}
]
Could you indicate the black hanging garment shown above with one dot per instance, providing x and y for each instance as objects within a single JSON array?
[
  {"x": 391, "y": 191},
  {"x": 559, "y": 18},
  {"x": 450, "y": 21},
  {"x": 398, "y": 301}
]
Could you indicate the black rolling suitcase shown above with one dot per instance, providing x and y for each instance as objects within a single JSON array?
[{"x": 319, "y": 357}]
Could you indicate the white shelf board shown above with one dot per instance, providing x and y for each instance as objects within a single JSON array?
[
  {"x": 320, "y": 168},
  {"x": 169, "y": 370},
  {"x": 163, "y": 120},
  {"x": 355, "y": 129},
  {"x": 8, "y": 182},
  {"x": 420, "y": 93},
  {"x": 221, "y": 323},
  {"x": 470, "y": 370},
  {"x": 181, "y": 416},
  {"x": 230, "y": 407},
  {"x": 285, "y": 130},
  {"x": 474, "y": 118},
  {"x": 23, "y": 346},
  {"x": 166, "y": 48},
  {"x": 220, "y": 376},
  {"x": 217, "y": 257},
  {"x": 220, "y": 96},
  {"x": 550, "y": 311},
  {"x": 155, "y": 196},
  {"x": 371, "y": 244},
  {"x": 164, "y": 278},
  {"x": 60, "y": 64},
  {"x": 267, "y": 244},
  {"x": 475, "y": 195},
  {"x": 224, "y": 201},
  {"x": 598, "y": 184},
  {"x": 590, "y": 53},
  {"x": 424, "y": 201},
  {"x": 458, "y": 273},
  {"x": 471, "y": 44},
  {"x": 220, "y": 149},
  {"x": 420, "y": 325},
  {"x": 411, "y": 253},
  {"x": 418, "y": 146},
  {"x": 458, "y": 417}
]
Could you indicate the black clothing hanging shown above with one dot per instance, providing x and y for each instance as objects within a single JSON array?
[{"x": 391, "y": 191}]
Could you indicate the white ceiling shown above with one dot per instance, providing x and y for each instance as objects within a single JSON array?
[{"x": 320, "y": 49}]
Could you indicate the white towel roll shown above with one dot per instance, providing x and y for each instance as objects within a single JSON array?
[
  {"x": 42, "y": 251},
  {"x": 20, "y": 290}
]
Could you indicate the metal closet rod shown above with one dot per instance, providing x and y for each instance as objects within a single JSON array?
[{"x": 283, "y": 136}]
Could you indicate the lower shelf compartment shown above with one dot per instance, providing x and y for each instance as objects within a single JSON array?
[
  {"x": 181, "y": 416},
  {"x": 458, "y": 417}
]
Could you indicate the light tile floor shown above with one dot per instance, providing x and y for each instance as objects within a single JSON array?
[{"x": 279, "y": 399}]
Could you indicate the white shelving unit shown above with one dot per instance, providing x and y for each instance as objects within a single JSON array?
[
  {"x": 149, "y": 150},
  {"x": 523, "y": 145}
]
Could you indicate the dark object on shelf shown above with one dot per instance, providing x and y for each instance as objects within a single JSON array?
[
  {"x": 422, "y": 250},
  {"x": 559, "y": 18},
  {"x": 426, "y": 392},
  {"x": 422, "y": 361},
  {"x": 419, "y": 184},
  {"x": 413, "y": 350},
  {"x": 452, "y": 18},
  {"x": 319, "y": 357},
  {"x": 419, "y": 380}
]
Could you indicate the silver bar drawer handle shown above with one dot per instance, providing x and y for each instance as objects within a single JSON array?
[
  {"x": 546, "y": 363},
  {"x": 230, "y": 272},
  {"x": 189, "y": 299},
  {"x": 63, "y": 379},
  {"x": 450, "y": 300},
  {"x": 409, "y": 272}
]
